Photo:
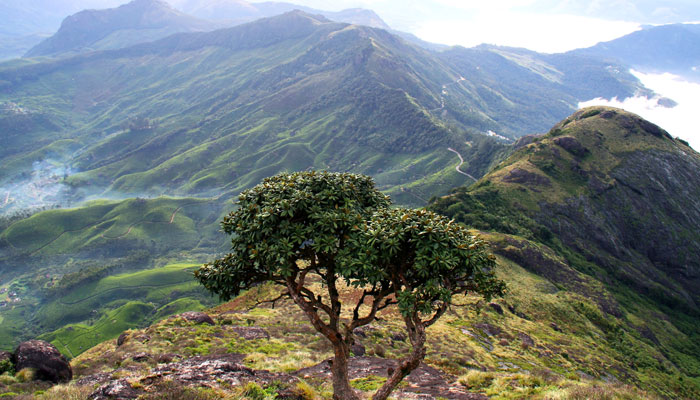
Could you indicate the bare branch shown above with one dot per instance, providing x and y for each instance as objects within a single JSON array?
[
  {"x": 273, "y": 301},
  {"x": 437, "y": 315}
]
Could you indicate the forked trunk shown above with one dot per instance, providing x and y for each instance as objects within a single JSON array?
[
  {"x": 408, "y": 364},
  {"x": 339, "y": 368}
]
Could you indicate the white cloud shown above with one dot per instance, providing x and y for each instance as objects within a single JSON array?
[
  {"x": 543, "y": 33},
  {"x": 680, "y": 120}
]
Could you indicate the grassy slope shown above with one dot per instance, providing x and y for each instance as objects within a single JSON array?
[
  {"x": 103, "y": 224},
  {"x": 550, "y": 342},
  {"x": 52, "y": 259},
  {"x": 581, "y": 198},
  {"x": 122, "y": 302}
]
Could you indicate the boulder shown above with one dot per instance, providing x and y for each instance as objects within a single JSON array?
[
  {"x": 49, "y": 363},
  {"x": 250, "y": 332},
  {"x": 197, "y": 317},
  {"x": 358, "y": 349},
  {"x": 572, "y": 145},
  {"x": 496, "y": 307},
  {"x": 122, "y": 338}
]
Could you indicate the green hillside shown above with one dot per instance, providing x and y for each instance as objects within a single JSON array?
[
  {"x": 79, "y": 314},
  {"x": 200, "y": 113},
  {"x": 617, "y": 198},
  {"x": 58, "y": 264}
]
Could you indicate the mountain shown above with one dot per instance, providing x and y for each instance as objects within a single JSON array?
[
  {"x": 28, "y": 22},
  {"x": 617, "y": 197},
  {"x": 206, "y": 113},
  {"x": 671, "y": 48},
  {"x": 147, "y": 20},
  {"x": 238, "y": 11},
  {"x": 129, "y": 24},
  {"x": 577, "y": 321}
]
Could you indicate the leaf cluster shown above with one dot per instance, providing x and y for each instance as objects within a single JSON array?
[
  {"x": 340, "y": 224},
  {"x": 304, "y": 216}
]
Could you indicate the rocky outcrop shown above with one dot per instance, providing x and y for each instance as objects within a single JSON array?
[
  {"x": 250, "y": 332},
  {"x": 119, "y": 389},
  {"x": 49, "y": 363},
  {"x": 212, "y": 371},
  {"x": 424, "y": 382},
  {"x": 197, "y": 317}
]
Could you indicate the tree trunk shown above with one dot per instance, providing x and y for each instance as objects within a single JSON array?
[
  {"x": 408, "y": 364},
  {"x": 339, "y": 369}
]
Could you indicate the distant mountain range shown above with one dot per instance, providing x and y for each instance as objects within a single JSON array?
[
  {"x": 136, "y": 22},
  {"x": 289, "y": 92},
  {"x": 666, "y": 48}
]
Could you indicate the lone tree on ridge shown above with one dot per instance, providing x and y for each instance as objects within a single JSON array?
[{"x": 293, "y": 229}]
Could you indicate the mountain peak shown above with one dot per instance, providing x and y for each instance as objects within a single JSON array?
[{"x": 131, "y": 23}]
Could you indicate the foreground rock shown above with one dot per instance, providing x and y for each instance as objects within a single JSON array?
[
  {"x": 197, "y": 317},
  {"x": 424, "y": 382},
  {"x": 49, "y": 363}
]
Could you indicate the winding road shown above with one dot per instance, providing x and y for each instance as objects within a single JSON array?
[{"x": 461, "y": 161}]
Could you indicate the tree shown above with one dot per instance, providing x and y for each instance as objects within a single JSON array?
[{"x": 294, "y": 229}]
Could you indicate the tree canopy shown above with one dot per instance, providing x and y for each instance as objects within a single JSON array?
[{"x": 337, "y": 228}]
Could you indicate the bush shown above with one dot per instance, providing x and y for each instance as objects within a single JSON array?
[
  {"x": 477, "y": 380},
  {"x": 26, "y": 375},
  {"x": 7, "y": 366}
]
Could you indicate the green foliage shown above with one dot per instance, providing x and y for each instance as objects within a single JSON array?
[
  {"x": 371, "y": 382},
  {"x": 427, "y": 256},
  {"x": 253, "y": 391},
  {"x": 7, "y": 366},
  {"x": 338, "y": 227},
  {"x": 288, "y": 218}
]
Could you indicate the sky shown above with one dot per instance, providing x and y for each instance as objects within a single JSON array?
[
  {"x": 542, "y": 25},
  {"x": 680, "y": 120}
]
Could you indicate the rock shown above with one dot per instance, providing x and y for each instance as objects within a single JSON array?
[
  {"x": 250, "y": 332},
  {"x": 524, "y": 141},
  {"x": 49, "y": 363},
  {"x": 364, "y": 331},
  {"x": 214, "y": 370},
  {"x": 488, "y": 329},
  {"x": 139, "y": 357},
  {"x": 95, "y": 380},
  {"x": 115, "y": 390},
  {"x": 122, "y": 338},
  {"x": 358, "y": 349},
  {"x": 399, "y": 337},
  {"x": 572, "y": 145},
  {"x": 167, "y": 358},
  {"x": 526, "y": 339},
  {"x": 424, "y": 382},
  {"x": 524, "y": 177},
  {"x": 197, "y": 317},
  {"x": 496, "y": 307}
]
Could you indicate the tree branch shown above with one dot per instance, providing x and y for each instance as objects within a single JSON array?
[{"x": 273, "y": 301}]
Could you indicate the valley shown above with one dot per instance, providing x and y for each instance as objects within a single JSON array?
[{"x": 122, "y": 152}]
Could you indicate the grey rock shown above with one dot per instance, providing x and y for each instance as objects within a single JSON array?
[
  {"x": 115, "y": 390},
  {"x": 197, "y": 317}
]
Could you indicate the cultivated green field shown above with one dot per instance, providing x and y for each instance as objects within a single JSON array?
[{"x": 119, "y": 302}]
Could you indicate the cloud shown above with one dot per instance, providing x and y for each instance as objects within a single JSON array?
[
  {"x": 539, "y": 32},
  {"x": 680, "y": 120}
]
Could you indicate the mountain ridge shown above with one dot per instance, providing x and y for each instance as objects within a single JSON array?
[{"x": 100, "y": 29}]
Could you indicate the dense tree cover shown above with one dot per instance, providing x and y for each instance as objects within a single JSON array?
[{"x": 319, "y": 233}]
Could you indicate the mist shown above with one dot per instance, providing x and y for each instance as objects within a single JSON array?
[{"x": 680, "y": 121}]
